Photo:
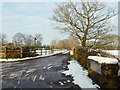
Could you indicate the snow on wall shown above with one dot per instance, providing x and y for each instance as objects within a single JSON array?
[
  {"x": 103, "y": 59},
  {"x": 79, "y": 75}
]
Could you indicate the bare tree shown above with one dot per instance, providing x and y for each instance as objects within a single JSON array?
[
  {"x": 53, "y": 44},
  {"x": 69, "y": 43},
  {"x": 28, "y": 40},
  {"x": 38, "y": 39},
  {"x": 19, "y": 39},
  {"x": 3, "y": 39},
  {"x": 61, "y": 44},
  {"x": 72, "y": 42},
  {"x": 83, "y": 20}
]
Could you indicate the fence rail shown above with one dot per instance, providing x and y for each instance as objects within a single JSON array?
[
  {"x": 20, "y": 52},
  {"x": 14, "y": 52}
]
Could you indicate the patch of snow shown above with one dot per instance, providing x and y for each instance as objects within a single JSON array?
[
  {"x": 66, "y": 52},
  {"x": 44, "y": 52},
  {"x": 16, "y": 74},
  {"x": 26, "y": 75},
  {"x": 103, "y": 59},
  {"x": 59, "y": 51},
  {"x": 61, "y": 83},
  {"x": 79, "y": 75},
  {"x": 64, "y": 67},
  {"x": 71, "y": 52},
  {"x": 99, "y": 54},
  {"x": 28, "y": 58},
  {"x": 64, "y": 82},
  {"x": 113, "y": 52},
  {"x": 90, "y": 50},
  {"x": 34, "y": 78},
  {"x": 68, "y": 80},
  {"x": 48, "y": 64},
  {"x": 49, "y": 67},
  {"x": 13, "y": 75},
  {"x": 50, "y": 86},
  {"x": 44, "y": 67},
  {"x": 43, "y": 55},
  {"x": 41, "y": 77},
  {"x": 31, "y": 70}
]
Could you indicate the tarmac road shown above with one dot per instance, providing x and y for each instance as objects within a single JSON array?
[{"x": 37, "y": 73}]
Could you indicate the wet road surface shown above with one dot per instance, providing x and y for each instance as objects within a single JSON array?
[{"x": 37, "y": 73}]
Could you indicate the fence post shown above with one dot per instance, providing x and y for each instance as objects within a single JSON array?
[
  {"x": 45, "y": 52},
  {"x": 5, "y": 52},
  {"x": 73, "y": 49},
  {"x": 21, "y": 52},
  {"x": 41, "y": 51}
]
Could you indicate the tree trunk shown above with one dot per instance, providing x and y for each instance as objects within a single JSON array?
[
  {"x": 84, "y": 39},
  {"x": 84, "y": 43}
]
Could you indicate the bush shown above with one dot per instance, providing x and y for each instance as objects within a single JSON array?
[{"x": 81, "y": 54}]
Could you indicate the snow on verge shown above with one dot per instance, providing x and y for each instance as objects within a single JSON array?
[
  {"x": 28, "y": 58},
  {"x": 79, "y": 75},
  {"x": 103, "y": 59},
  {"x": 113, "y": 52}
]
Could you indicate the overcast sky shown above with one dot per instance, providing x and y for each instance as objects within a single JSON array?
[{"x": 34, "y": 17}]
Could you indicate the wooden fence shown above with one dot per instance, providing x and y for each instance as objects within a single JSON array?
[
  {"x": 14, "y": 52},
  {"x": 43, "y": 51}
]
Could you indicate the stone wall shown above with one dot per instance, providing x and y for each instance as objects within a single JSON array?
[{"x": 106, "y": 76}]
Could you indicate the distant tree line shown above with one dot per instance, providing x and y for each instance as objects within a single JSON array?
[
  {"x": 106, "y": 41},
  {"x": 20, "y": 39},
  {"x": 65, "y": 43},
  {"x": 3, "y": 39}
]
